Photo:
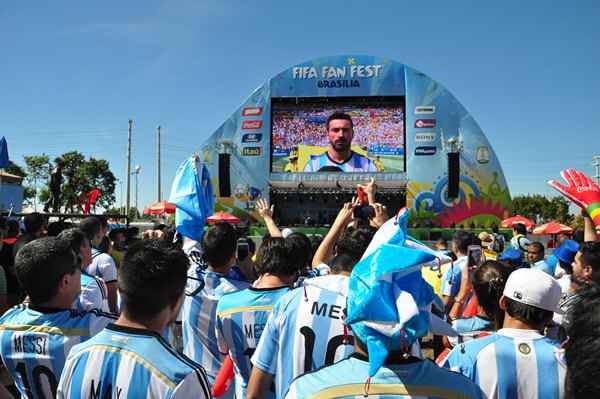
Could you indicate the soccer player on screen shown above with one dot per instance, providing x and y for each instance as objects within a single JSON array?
[
  {"x": 36, "y": 336},
  {"x": 242, "y": 315},
  {"x": 340, "y": 131},
  {"x": 130, "y": 359}
]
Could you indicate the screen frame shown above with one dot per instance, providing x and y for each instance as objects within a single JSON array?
[{"x": 350, "y": 100}]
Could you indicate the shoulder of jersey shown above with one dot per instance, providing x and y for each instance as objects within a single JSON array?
[
  {"x": 232, "y": 298},
  {"x": 13, "y": 311},
  {"x": 78, "y": 313}
]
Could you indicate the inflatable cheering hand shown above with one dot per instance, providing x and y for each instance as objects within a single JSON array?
[{"x": 581, "y": 190}]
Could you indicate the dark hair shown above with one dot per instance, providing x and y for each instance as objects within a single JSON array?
[
  {"x": 462, "y": 240},
  {"x": 488, "y": 283},
  {"x": 342, "y": 263},
  {"x": 55, "y": 228},
  {"x": 90, "y": 227},
  {"x": 578, "y": 235},
  {"x": 530, "y": 315},
  {"x": 520, "y": 228},
  {"x": 584, "y": 341},
  {"x": 114, "y": 232},
  {"x": 590, "y": 256},
  {"x": 354, "y": 241},
  {"x": 103, "y": 220},
  {"x": 538, "y": 245},
  {"x": 442, "y": 241},
  {"x": 300, "y": 250},
  {"x": 339, "y": 115},
  {"x": 13, "y": 228},
  {"x": 75, "y": 238},
  {"x": 567, "y": 267},
  {"x": 219, "y": 244},
  {"x": 494, "y": 228},
  {"x": 34, "y": 222},
  {"x": 152, "y": 276},
  {"x": 273, "y": 257},
  {"x": 40, "y": 265}
]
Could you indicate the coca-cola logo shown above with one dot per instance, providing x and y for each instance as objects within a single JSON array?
[{"x": 583, "y": 189}]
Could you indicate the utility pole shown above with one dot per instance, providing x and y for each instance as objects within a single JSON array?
[
  {"x": 128, "y": 183},
  {"x": 597, "y": 165},
  {"x": 158, "y": 193}
]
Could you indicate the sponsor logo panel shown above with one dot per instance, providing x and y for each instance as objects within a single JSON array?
[
  {"x": 425, "y": 109},
  {"x": 424, "y": 123},
  {"x": 251, "y": 151},
  {"x": 252, "y": 111},
  {"x": 425, "y": 150},
  {"x": 425, "y": 137},
  {"x": 252, "y": 125},
  {"x": 252, "y": 138}
]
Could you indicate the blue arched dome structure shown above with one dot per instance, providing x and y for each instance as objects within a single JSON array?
[{"x": 433, "y": 124}]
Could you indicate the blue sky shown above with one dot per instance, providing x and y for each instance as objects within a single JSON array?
[{"x": 73, "y": 73}]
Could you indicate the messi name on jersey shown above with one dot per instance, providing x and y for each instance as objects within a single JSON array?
[{"x": 30, "y": 343}]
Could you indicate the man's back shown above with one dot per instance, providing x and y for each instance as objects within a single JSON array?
[
  {"x": 124, "y": 362},
  {"x": 305, "y": 331},
  {"x": 511, "y": 364},
  {"x": 34, "y": 343},
  {"x": 416, "y": 379},
  {"x": 93, "y": 295},
  {"x": 241, "y": 319},
  {"x": 199, "y": 312}
]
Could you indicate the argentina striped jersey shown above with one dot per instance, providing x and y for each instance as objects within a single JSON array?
[
  {"x": 198, "y": 316},
  {"x": 94, "y": 294},
  {"x": 356, "y": 163},
  {"x": 305, "y": 331},
  {"x": 512, "y": 364},
  {"x": 241, "y": 319},
  {"x": 130, "y": 363},
  {"x": 34, "y": 343},
  {"x": 415, "y": 378}
]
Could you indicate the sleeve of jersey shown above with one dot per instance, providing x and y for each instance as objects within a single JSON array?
[
  {"x": 460, "y": 361},
  {"x": 91, "y": 298},
  {"x": 107, "y": 269},
  {"x": 265, "y": 355},
  {"x": 446, "y": 288},
  {"x": 195, "y": 385}
]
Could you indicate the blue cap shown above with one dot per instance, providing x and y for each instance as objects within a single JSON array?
[
  {"x": 567, "y": 250},
  {"x": 513, "y": 255}
]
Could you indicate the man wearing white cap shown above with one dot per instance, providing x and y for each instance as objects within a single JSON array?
[{"x": 517, "y": 361}]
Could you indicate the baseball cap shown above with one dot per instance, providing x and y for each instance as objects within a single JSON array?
[
  {"x": 485, "y": 236},
  {"x": 535, "y": 288},
  {"x": 567, "y": 250},
  {"x": 285, "y": 233}
]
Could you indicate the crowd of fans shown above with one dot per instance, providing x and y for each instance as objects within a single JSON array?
[
  {"x": 382, "y": 126},
  {"x": 91, "y": 311}
]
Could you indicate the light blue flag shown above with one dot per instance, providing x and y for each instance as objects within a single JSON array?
[
  {"x": 389, "y": 301},
  {"x": 192, "y": 194},
  {"x": 3, "y": 153}
]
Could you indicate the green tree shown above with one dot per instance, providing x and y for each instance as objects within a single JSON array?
[
  {"x": 38, "y": 170},
  {"x": 541, "y": 209},
  {"x": 80, "y": 176}
]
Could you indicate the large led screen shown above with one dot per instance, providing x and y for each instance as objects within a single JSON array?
[{"x": 301, "y": 142}]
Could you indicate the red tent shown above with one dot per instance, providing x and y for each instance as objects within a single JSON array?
[
  {"x": 159, "y": 208},
  {"x": 518, "y": 219},
  {"x": 219, "y": 217},
  {"x": 552, "y": 228}
]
